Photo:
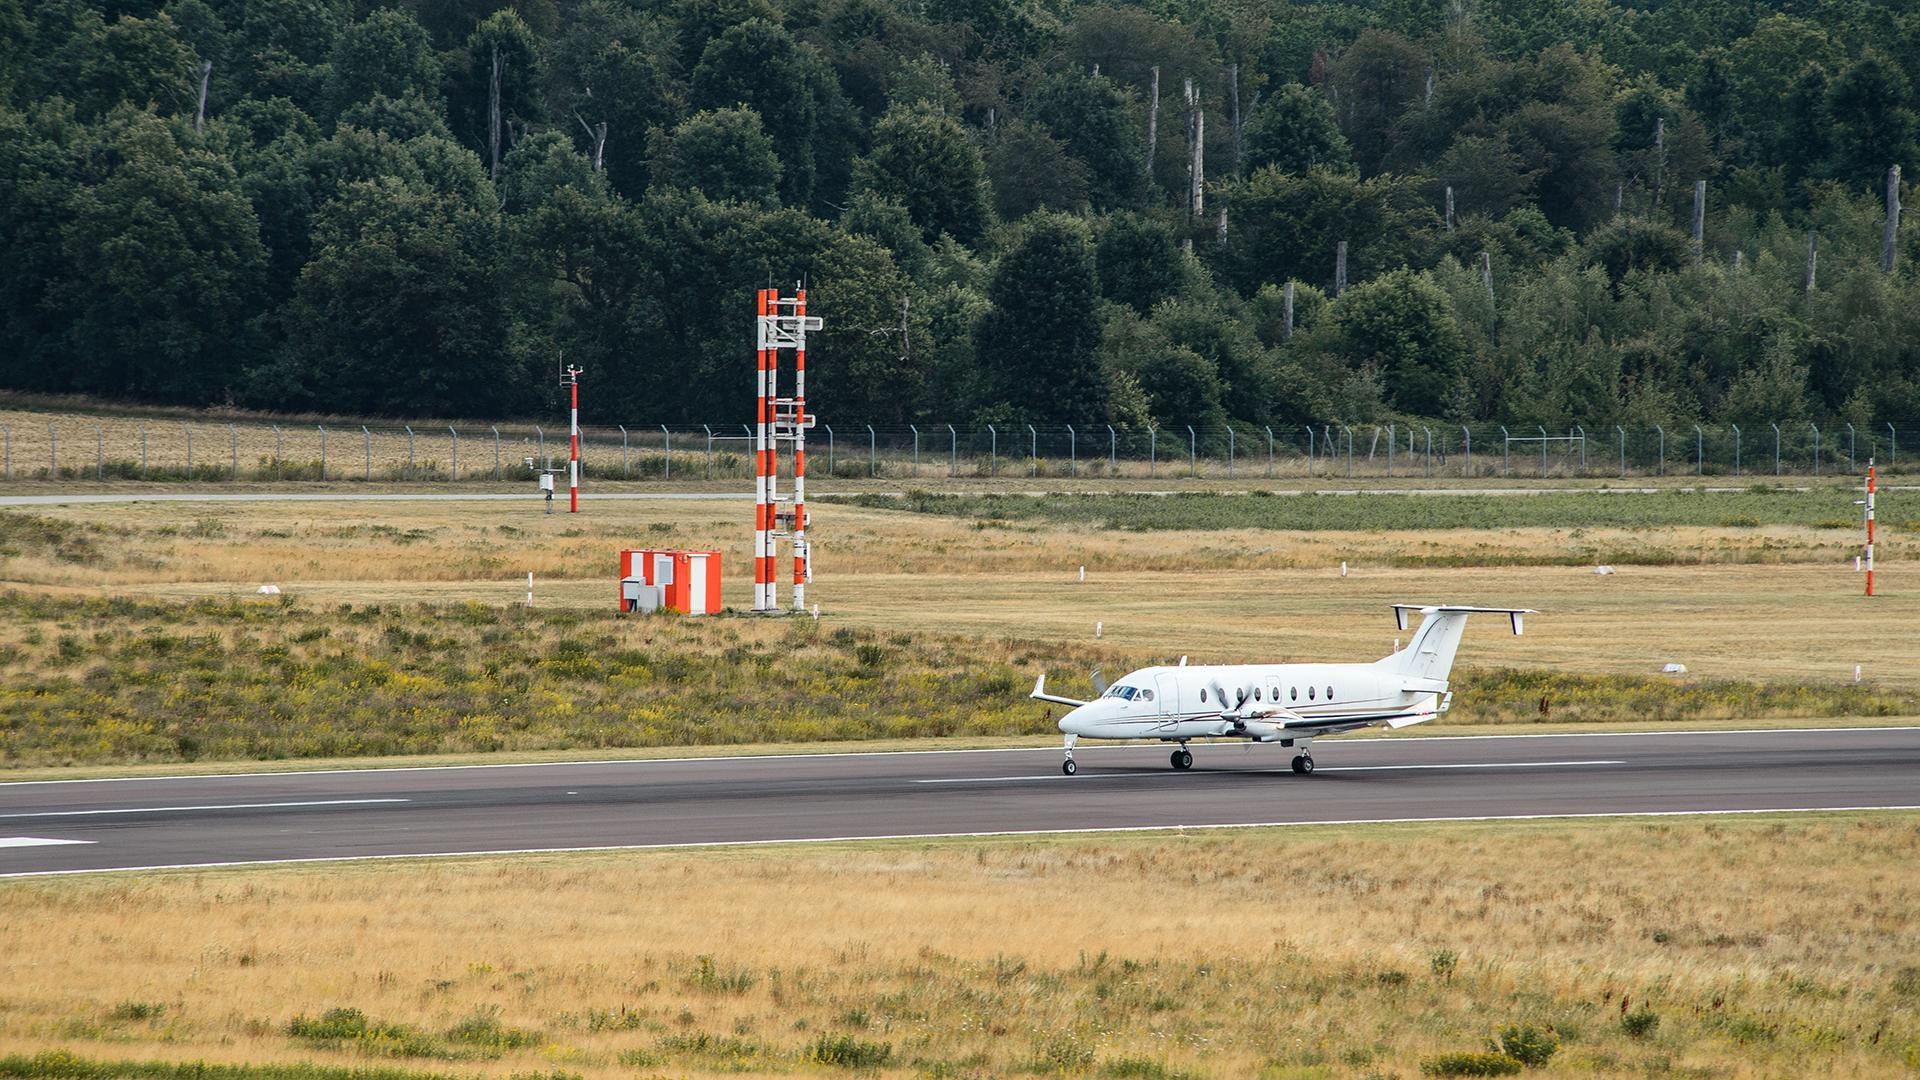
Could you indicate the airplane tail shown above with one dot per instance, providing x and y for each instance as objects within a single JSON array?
[{"x": 1427, "y": 660}]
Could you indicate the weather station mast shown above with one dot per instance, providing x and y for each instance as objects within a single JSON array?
[
  {"x": 783, "y": 421},
  {"x": 570, "y": 378}
]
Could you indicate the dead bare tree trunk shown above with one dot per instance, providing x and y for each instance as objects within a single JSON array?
[
  {"x": 1196, "y": 160},
  {"x": 1659, "y": 161},
  {"x": 1339, "y": 268},
  {"x": 1286, "y": 312},
  {"x": 1699, "y": 220},
  {"x": 1813, "y": 259},
  {"x": 1449, "y": 207},
  {"x": 1233, "y": 92},
  {"x": 1153, "y": 119},
  {"x": 1892, "y": 232},
  {"x": 493, "y": 116},
  {"x": 200, "y": 113}
]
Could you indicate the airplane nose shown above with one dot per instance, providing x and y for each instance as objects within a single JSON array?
[{"x": 1075, "y": 722}]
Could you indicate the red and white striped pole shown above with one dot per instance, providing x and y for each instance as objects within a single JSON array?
[
  {"x": 1870, "y": 486},
  {"x": 572, "y": 382},
  {"x": 801, "y": 559},
  {"x": 763, "y": 459}
]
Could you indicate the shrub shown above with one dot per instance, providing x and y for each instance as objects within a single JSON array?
[
  {"x": 1443, "y": 962},
  {"x": 1528, "y": 1044},
  {"x": 1640, "y": 1023},
  {"x": 138, "y": 1010},
  {"x": 1469, "y": 1065},
  {"x": 482, "y": 1028},
  {"x": 849, "y": 1052}
]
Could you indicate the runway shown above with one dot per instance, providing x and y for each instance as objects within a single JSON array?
[{"x": 90, "y": 826}]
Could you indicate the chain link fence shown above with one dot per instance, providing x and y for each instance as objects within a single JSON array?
[{"x": 80, "y": 448}]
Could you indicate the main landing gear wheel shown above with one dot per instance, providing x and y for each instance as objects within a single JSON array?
[
  {"x": 1182, "y": 758},
  {"x": 1303, "y": 764},
  {"x": 1069, "y": 767}
]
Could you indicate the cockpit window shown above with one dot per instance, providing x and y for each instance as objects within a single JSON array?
[{"x": 1124, "y": 693}]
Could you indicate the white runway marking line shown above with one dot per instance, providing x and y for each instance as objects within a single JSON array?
[
  {"x": 1248, "y": 772},
  {"x": 37, "y": 841},
  {"x": 211, "y": 806},
  {"x": 698, "y": 845},
  {"x": 833, "y": 754}
]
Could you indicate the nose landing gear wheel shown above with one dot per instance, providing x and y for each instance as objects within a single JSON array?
[
  {"x": 1182, "y": 759},
  {"x": 1303, "y": 764},
  {"x": 1069, "y": 767}
]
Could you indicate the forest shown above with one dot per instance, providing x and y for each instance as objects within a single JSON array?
[{"x": 1006, "y": 211}]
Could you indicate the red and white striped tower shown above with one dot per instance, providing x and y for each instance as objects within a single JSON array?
[
  {"x": 782, "y": 327},
  {"x": 1869, "y": 526},
  {"x": 802, "y": 560},
  {"x": 570, "y": 379}
]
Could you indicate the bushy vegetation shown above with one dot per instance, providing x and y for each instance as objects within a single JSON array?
[
  {"x": 96, "y": 680},
  {"x": 62, "y": 1065},
  {"x": 1821, "y": 508},
  {"x": 412, "y": 208},
  {"x": 1470, "y": 1063}
]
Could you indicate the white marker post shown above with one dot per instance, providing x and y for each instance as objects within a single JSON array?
[{"x": 529, "y": 588}]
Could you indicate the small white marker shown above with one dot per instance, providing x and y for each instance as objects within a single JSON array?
[
  {"x": 1856, "y": 564},
  {"x": 1083, "y": 575},
  {"x": 816, "y": 613},
  {"x": 1343, "y": 569},
  {"x": 529, "y": 588},
  {"x": 1856, "y": 673},
  {"x": 1096, "y": 630}
]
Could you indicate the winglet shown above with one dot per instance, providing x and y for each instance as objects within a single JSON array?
[{"x": 1040, "y": 693}]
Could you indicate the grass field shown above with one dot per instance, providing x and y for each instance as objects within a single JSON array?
[
  {"x": 133, "y": 632},
  {"x": 1669, "y": 948}
]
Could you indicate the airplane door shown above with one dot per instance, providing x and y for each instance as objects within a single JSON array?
[{"x": 1167, "y": 694}]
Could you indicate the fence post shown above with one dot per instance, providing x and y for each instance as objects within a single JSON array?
[
  {"x": 455, "y": 471},
  {"x": 1893, "y": 447},
  {"x": 1816, "y": 447},
  {"x": 1736, "y": 448},
  {"x": 366, "y": 438},
  {"x": 1033, "y": 451},
  {"x": 993, "y": 450},
  {"x": 829, "y": 428},
  {"x": 1073, "y": 452},
  {"x": 1193, "y": 454},
  {"x": 746, "y": 429},
  {"x": 541, "y": 435},
  {"x": 9, "y": 453},
  {"x": 143, "y": 453},
  {"x": 1392, "y": 437},
  {"x": 873, "y": 454},
  {"x": 233, "y": 450},
  {"x": 1622, "y": 432},
  {"x": 496, "y": 450},
  {"x": 1506, "y": 452},
  {"x": 1776, "y": 448},
  {"x": 1543, "y": 448},
  {"x": 1349, "y": 433},
  {"x": 1429, "y": 432},
  {"x": 1583, "y": 448},
  {"x": 53, "y": 453},
  {"x": 1699, "y": 452},
  {"x": 1466, "y": 435},
  {"x": 99, "y": 452},
  {"x": 709, "y": 432},
  {"x": 916, "y": 449},
  {"x": 278, "y": 454},
  {"x": 410, "y": 470},
  {"x": 1663, "y": 448},
  {"x": 953, "y": 452},
  {"x": 666, "y": 453},
  {"x": 1113, "y": 450},
  {"x": 323, "y": 449},
  {"x": 1270, "y": 448},
  {"x": 189, "y": 431},
  {"x": 1229, "y": 449},
  {"x": 1310, "y": 450},
  {"x": 626, "y": 470},
  {"x": 1850, "y": 465},
  {"x": 1153, "y": 448}
]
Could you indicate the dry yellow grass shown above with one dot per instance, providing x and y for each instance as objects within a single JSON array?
[
  {"x": 1766, "y": 947},
  {"x": 1217, "y": 596}
]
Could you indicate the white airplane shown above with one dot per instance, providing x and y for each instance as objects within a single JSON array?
[{"x": 1291, "y": 704}]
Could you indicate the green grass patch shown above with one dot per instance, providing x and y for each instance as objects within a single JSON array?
[
  {"x": 61, "y": 1065},
  {"x": 1819, "y": 508}
]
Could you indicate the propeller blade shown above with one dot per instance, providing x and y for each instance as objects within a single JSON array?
[{"x": 1099, "y": 683}]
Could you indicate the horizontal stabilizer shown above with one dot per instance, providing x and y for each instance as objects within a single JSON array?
[{"x": 1516, "y": 616}]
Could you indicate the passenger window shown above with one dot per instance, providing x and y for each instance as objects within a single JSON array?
[
  {"x": 1294, "y": 693},
  {"x": 1256, "y": 693},
  {"x": 1203, "y": 696},
  {"x": 1329, "y": 693},
  {"x": 1146, "y": 695},
  {"x": 1309, "y": 693}
]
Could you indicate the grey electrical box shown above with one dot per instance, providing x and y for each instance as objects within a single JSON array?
[{"x": 637, "y": 595}]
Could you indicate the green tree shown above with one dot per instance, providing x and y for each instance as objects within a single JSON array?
[
  {"x": 1093, "y": 118},
  {"x": 1293, "y": 130},
  {"x": 1039, "y": 346},
  {"x": 1030, "y": 170},
  {"x": 540, "y": 165},
  {"x": 1872, "y": 127},
  {"x": 604, "y": 70},
  {"x": 1287, "y": 226},
  {"x": 1402, "y": 325},
  {"x": 928, "y": 163},
  {"x": 503, "y": 35},
  {"x": 1378, "y": 77},
  {"x": 165, "y": 256},
  {"x": 1137, "y": 262},
  {"x": 1631, "y": 244},
  {"x": 722, "y": 153},
  {"x": 759, "y": 65},
  {"x": 385, "y": 53}
]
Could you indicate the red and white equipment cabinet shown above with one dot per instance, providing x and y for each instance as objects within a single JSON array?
[{"x": 689, "y": 581}]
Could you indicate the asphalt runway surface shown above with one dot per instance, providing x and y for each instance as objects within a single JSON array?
[{"x": 85, "y": 826}]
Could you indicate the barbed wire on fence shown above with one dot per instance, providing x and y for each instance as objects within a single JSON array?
[{"x": 79, "y": 448}]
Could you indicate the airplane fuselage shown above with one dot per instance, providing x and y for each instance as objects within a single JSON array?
[{"x": 1263, "y": 702}]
